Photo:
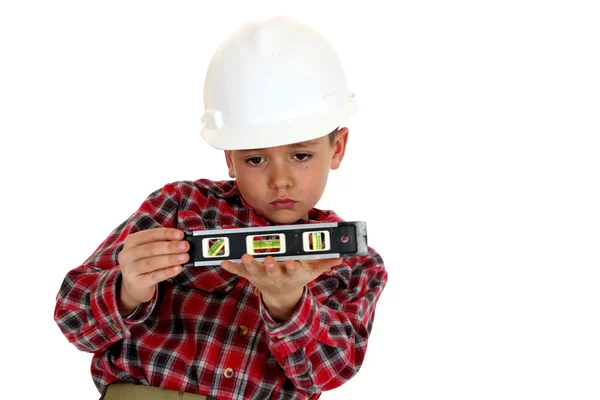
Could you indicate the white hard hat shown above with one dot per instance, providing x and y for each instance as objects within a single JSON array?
[{"x": 274, "y": 83}]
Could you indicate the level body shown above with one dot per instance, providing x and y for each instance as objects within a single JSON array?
[{"x": 282, "y": 242}]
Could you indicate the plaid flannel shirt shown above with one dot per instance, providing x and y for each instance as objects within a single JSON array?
[{"x": 206, "y": 330}]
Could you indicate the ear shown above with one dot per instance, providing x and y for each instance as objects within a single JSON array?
[
  {"x": 230, "y": 165},
  {"x": 339, "y": 148}
]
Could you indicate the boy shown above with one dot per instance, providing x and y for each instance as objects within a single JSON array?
[{"x": 249, "y": 330}]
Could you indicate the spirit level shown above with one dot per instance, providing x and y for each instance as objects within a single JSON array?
[{"x": 282, "y": 242}]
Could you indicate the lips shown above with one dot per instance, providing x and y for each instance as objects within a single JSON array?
[{"x": 284, "y": 203}]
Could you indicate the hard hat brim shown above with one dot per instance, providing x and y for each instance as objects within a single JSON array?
[{"x": 281, "y": 133}]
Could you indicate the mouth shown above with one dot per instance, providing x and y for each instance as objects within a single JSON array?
[{"x": 283, "y": 203}]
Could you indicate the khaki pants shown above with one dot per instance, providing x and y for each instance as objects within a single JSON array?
[{"x": 128, "y": 391}]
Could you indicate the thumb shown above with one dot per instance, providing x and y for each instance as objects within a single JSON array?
[{"x": 326, "y": 264}]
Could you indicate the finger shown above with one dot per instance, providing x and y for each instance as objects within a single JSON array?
[
  {"x": 234, "y": 268},
  {"x": 152, "y": 235},
  {"x": 319, "y": 266},
  {"x": 252, "y": 266},
  {"x": 272, "y": 268},
  {"x": 160, "y": 248},
  {"x": 292, "y": 266},
  {"x": 155, "y": 263},
  {"x": 326, "y": 264},
  {"x": 159, "y": 275}
]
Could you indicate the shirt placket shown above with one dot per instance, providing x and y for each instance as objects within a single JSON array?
[{"x": 231, "y": 374}]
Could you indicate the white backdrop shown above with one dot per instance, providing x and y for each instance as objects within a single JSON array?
[{"x": 474, "y": 159}]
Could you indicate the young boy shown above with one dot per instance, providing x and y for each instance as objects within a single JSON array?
[{"x": 275, "y": 97}]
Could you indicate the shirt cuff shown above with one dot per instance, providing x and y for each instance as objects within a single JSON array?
[
  {"x": 105, "y": 309},
  {"x": 302, "y": 328}
]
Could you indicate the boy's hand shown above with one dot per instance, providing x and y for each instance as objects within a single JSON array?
[
  {"x": 148, "y": 257},
  {"x": 280, "y": 284}
]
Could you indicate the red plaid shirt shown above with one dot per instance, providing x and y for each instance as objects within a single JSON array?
[{"x": 206, "y": 330}]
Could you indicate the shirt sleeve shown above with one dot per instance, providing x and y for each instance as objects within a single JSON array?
[
  {"x": 86, "y": 308},
  {"x": 324, "y": 343}
]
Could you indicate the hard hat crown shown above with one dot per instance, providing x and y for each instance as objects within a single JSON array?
[{"x": 273, "y": 83}]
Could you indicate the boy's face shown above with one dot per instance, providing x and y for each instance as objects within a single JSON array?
[{"x": 297, "y": 173}]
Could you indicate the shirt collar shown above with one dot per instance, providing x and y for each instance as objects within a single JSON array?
[{"x": 233, "y": 190}]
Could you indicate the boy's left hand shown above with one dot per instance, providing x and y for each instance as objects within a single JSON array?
[{"x": 280, "y": 283}]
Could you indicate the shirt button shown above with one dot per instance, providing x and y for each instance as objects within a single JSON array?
[
  {"x": 228, "y": 372},
  {"x": 116, "y": 327},
  {"x": 255, "y": 291},
  {"x": 243, "y": 330}
]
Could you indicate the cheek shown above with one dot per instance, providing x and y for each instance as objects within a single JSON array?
[
  {"x": 252, "y": 182},
  {"x": 315, "y": 176}
]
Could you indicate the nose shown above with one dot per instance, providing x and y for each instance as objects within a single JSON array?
[{"x": 280, "y": 176}]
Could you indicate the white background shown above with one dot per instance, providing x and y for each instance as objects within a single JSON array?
[{"x": 474, "y": 159}]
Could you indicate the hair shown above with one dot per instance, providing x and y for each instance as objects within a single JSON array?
[{"x": 333, "y": 136}]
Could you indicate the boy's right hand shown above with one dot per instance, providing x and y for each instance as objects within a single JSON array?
[{"x": 148, "y": 257}]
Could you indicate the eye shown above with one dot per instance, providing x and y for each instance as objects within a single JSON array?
[
  {"x": 256, "y": 160},
  {"x": 302, "y": 156}
]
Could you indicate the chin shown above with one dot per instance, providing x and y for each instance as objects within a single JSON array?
[
  {"x": 284, "y": 218},
  {"x": 284, "y": 221}
]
